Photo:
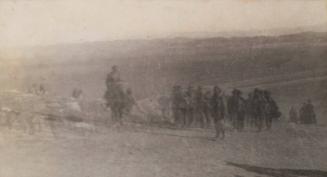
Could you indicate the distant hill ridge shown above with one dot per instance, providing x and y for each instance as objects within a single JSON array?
[
  {"x": 97, "y": 51},
  {"x": 153, "y": 66}
]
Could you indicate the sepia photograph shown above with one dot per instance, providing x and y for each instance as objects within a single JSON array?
[{"x": 163, "y": 88}]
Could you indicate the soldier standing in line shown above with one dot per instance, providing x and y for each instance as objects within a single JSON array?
[
  {"x": 177, "y": 101},
  {"x": 218, "y": 112},
  {"x": 258, "y": 109},
  {"x": 311, "y": 112},
  {"x": 302, "y": 113},
  {"x": 271, "y": 109},
  {"x": 183, "y": 109},
  {"x": 236, "y": 108},
  {"x": 199, "y": 104},
  {"x": 240, "y": 110},
  {"x": 164, "y": 104},
  {"x": 307, "y": 113},
  {"x": 190, "y": 101},
  {"x": 207, "y": 109},
  {"x": 231, "y": 112},
  {"x": 249, "y": 118}
]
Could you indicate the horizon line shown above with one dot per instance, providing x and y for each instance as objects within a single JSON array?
[{"x": 169, "y": 37}]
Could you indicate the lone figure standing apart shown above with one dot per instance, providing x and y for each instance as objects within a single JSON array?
[{"x": 114, "y": 95}]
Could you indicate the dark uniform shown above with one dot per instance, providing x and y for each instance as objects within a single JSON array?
[
  {"x": 307, "y": 114},
  {"x": 199, "y": 107},
  {"x": 249, "y": 113},
  {"x": 178, "y": 106},
  {"x": 271, "y": 109},
  {"x": 207, "y": 109},
  {"x": 190, "y": 100},
  {"x": 258, "y": 108},
  {"x": 218, "y": 112},
  {"x": 183, "y": 110},
  {"x": 311, "y": 113},
  {"x": 236, "y": 109},
  {"x": 115, "y": 96}
]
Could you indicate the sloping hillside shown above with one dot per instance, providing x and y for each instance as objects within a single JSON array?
[{"x": 151, "y": 67}]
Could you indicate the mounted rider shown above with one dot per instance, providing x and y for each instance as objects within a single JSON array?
[{"x": 115, "y": 94}]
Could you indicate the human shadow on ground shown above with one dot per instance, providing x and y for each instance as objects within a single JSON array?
[{"x": 280, "y": 172}]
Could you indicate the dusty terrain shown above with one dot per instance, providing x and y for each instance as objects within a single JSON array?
[
  {"x": 147, "y": 151},
  {"x": 292, "y": 67}
]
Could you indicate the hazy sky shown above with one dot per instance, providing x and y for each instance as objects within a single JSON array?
[{"x": 38, "y": 22}]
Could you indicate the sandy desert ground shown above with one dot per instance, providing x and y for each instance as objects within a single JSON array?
[
  {"x": 140, "y": 150},
  {"x": 39, "y": 144}
]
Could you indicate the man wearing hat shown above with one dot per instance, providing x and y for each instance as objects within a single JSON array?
[
  {"x": 218, "y": 112},
  {"x": 236, "y": 109}
]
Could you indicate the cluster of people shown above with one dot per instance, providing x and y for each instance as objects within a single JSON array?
[
  {"x": 202, "y": 107},
  {"x": 197, "y": 107},
  {"x": 119, "y": 100},
  {"x": 261, "y": 109},
  {"x": 37, "y": 89},
  {"x": 306, "y": 114}
]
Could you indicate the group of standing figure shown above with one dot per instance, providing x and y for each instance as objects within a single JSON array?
[
  {"x": 37, "y": 89},
  {"x": 199, "y": 108},
  {"x": 306, "y": 114},
  {"x": 261, "y": 109}
]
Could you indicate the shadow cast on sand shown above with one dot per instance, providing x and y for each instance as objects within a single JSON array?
[{"x": 279, "y": 172}]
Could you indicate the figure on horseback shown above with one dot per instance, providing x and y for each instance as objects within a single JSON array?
[{"x": 115, "y": 94}]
